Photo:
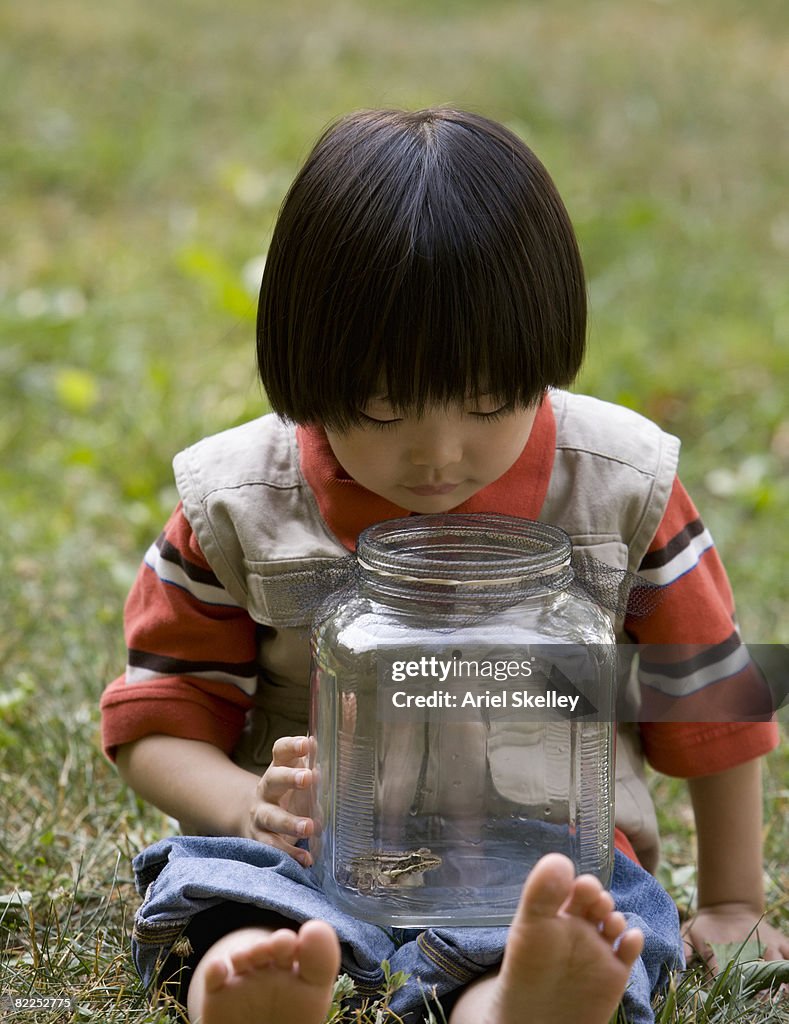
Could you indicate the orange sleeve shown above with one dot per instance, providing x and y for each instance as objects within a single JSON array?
[
  {"x": 192, "y": 651},
  {"x": 190, "y": 709},
  {"x": 697, "y": 614},
  {"x": 688, "y": 749}
]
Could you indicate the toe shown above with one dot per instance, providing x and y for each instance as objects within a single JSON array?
[
  {"x": 215, "y": 975},
  {"x": 283, "y": 948},
  {"x": 629, "y": 947},
  {"x": 601, "y": 908},
  {"x": 585, "y": 893},
  {"x": 318, "y": 953},
  {"x": 548, "y": 886},
  {"x": 260, "y": 955},
  {"x": 242, "y": 961},
  {"x": 613, "y": 926}
]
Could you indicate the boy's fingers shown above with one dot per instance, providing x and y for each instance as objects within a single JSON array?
[
  {"x": 287, "y": 750},
  {"x": 277, "y": 781},
  {"x": 777, "y": 950},
  {"x": 276, "y": 821},
  {"x": 278, "y": 841}
]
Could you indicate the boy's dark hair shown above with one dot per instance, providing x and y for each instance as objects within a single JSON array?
[{"x": 425, "y": 256}]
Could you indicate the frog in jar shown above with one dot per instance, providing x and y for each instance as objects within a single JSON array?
[{"x": 404, "y": 869}]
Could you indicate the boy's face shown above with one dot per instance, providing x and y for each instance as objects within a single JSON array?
[{"x": 437, "y": 461}]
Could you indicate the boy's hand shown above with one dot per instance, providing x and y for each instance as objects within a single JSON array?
[
  {"x": 278, "y": 817},
  {"x": 731, "y": 923}
]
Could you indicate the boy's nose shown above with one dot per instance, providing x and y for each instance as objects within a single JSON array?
[{"x": 436, "y": 452}]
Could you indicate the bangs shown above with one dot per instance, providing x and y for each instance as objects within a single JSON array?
[
  {"x": 440, "y": 325},
  {"x": 426, "y": 257}
]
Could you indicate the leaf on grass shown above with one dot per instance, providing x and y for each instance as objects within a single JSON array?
[
  {"x": 17, "y": 898},
  {"x": 393, "y": 982},
  {"x": 739, "y": 952},
  {"x": 344, "y": 988},
  {"x": 762, "y": 974}
]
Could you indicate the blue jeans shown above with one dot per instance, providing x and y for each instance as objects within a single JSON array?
[{"x": 187, "y": 875}]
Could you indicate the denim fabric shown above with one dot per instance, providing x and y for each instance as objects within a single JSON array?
[{"x": 185, "y": 875}]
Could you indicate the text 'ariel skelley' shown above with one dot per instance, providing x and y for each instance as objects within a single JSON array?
[{"x": 548, "y": 699}]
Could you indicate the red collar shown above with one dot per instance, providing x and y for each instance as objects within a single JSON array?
[{"x": 348, "y": 508}]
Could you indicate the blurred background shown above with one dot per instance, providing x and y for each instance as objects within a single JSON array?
[{"x": 144, "y": 150}]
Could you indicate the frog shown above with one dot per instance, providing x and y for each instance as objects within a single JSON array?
[{"x": 388, "y": 867}]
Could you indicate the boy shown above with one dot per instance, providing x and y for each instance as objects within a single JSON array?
[{"x": 423, "y": 302}]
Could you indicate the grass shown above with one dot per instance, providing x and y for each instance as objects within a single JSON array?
[{"x": 144, "y": 149}]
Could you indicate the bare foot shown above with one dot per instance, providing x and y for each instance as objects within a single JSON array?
[
  {"x": 255, "y": 976},
  {"x": 568, "y": 954}
]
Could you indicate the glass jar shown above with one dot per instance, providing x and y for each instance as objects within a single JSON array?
[{"x": 462, "y": 707}]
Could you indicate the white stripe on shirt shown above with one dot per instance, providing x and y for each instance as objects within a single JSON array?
[
  {"x": 169, "y": 572},
  {"x": 681, "y": 563}
]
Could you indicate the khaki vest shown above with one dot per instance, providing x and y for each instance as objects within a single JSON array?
[{"x": 256, "y": 517}]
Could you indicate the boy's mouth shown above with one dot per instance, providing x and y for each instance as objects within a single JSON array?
[{"x": 427, "y": 490}]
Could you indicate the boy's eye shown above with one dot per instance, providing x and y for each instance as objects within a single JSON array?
[
  {"x": 495, "y": 413},
  {"x": 375, "y": 421},
  {"x": 386, "y": 419}
]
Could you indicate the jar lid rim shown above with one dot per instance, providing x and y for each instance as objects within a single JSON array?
[{"x": 464, "y": 548}]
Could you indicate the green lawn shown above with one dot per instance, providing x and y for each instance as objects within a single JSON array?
[{"x": 144, "y": 150}]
